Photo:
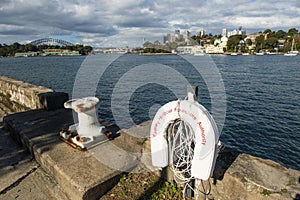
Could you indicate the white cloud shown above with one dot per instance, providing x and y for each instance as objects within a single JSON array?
[{"x": 100, "y": 22}]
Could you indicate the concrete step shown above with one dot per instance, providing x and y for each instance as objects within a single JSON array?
[
  {"x": 80, "y": 174},
  {"x": 21, "y": 176}
]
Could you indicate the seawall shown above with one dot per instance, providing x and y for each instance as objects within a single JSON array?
[
  {"x": 17, "y": 96},
  {"x": 236, "y": 175}
]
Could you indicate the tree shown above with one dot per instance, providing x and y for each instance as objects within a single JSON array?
[
  {"x": 259, "y": 42},
  {"x": 233, "y": 42},
  {"x": 148, "y": 45},
  {"x": 292, "y": 32},
  {"x": 267, "y": 31},
  {"x": 271, "y": 43},
  {"x": 248, "y": 42},
  {"x": 280, "y": 34}
]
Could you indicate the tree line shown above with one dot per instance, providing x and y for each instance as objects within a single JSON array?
[
  {"x": 268, "y": 40},
  {"x": 10, "y": 50}
]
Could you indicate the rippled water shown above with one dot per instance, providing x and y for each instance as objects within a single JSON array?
[{"x": 262, "y": 93}]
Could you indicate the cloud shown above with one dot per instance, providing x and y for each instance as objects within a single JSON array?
[{"x": 124, "y": 21}]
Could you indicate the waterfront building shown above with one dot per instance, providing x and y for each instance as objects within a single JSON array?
[
  {"x": 212, "y": 49},
  {"x": 60, "y": 52},
  {"x": 184, "y": 49},
  {"x": 190, "y": 50},
  {"x": 110, "y": 50},
  {"x": 26, "y": 54}
]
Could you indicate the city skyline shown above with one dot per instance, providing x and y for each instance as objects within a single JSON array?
[{"x": 126, "y": 23}]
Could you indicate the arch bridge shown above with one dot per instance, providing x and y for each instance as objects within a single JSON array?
[{"x": 51, "y": 41}]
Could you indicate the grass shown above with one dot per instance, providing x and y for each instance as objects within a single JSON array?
[{"x": 144, "y": 186}]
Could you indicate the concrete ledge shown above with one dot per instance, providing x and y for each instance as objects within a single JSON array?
[
  {"x": 242, "y": 176},
  {"x": 80, "y": 174},
  {"x": 90, "y": 174},
  {"x": 21, "y": 96}
]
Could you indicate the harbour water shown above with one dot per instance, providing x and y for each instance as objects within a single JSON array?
[{"x": 262, "y": 93}]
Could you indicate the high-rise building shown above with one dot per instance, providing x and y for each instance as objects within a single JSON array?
[
  {"x": 176, "y": 37},
  {"x": 201, "y": 32},
  {"x": 224, "y": 32},
  {"x": 186, "y": 34}
]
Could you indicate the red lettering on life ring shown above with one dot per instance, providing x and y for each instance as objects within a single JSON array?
[{"x": 203, "y": 139}]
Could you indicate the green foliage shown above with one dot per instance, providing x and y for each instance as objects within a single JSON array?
[
  {"x": 169, "y": 190},
  {"x": 284, "y": 190},
  {"x": 266, "y": 192},
  {"x": 292, "y": 32},
  {"x": 233, "y": 42},
  {"x": 280, "y": 34},
  {"x": 271, "y": 43},
  {"x": 124, "y": 180},
  {"x": 10, "y": 50}
]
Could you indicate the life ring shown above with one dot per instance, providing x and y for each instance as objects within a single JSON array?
[{"x": 202, "y": 125}]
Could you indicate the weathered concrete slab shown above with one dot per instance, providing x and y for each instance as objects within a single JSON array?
[
  {"x": 79, "y": 173},
  {"x": 36, "y": 185},
  {"x": 89, "y": 174},
  {"x": 242, "y": 176},
  {"x": 15, "y": 162},
  {"x": 21, "y": 177}
]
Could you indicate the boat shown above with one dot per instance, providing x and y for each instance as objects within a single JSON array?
[
  {"x": 199, "y": 54},
  {"x": 245, "y": 54},
  {"x": 292, "y": 52},
  {"x": 234, "y": 53},
  {"x": 260, "y": 53}
]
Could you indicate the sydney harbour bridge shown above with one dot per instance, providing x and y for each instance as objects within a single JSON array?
[{"x": 51, "y": 41}]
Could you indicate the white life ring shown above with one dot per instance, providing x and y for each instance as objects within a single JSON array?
[{"x": 203, "y": 126}]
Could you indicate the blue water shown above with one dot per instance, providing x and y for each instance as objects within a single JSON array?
[{"x": 262, "y": 94}]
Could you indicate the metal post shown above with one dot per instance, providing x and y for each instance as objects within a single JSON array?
[
  {"x": 192, "y": 89},
  {"x": 192, "y": 92}
]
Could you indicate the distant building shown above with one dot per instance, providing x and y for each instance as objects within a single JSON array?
[
  {"x": 202, "y": 32},
  {"x": 177, "y": 37},
  {"x": 238, "y": 31},
  {"x": 60, "y": 52},
  {"x": 252, "y": 37},
  {"x": 193, "y": 50},
  {"x": 224, "y": 32},
  {"x": 212, "y": 49},
  {"x": 184, "y": 49},
  {"x": 186, "y": 35},
  {"x": 224, "y": 41},
  {"x": 26, "y": 54}
]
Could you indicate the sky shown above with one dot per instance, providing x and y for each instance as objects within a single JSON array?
[{"x": 120, "y": 23}]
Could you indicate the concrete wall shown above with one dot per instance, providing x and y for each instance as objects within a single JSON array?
[{"x": 19, "y": 96}]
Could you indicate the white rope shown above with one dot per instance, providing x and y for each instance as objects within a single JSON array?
[{"x": 182, "y": 141}]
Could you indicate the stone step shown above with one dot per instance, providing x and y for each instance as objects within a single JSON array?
[
  {"x": 21, "y": 176},
  {"x": 80, "y": 174}
]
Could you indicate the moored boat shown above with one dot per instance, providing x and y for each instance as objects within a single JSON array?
[{"x": 292, "y": 52}]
